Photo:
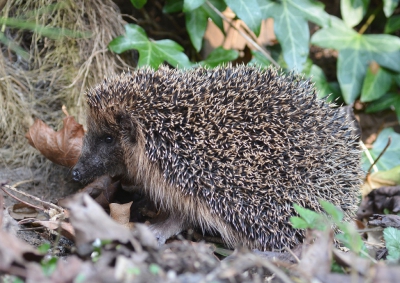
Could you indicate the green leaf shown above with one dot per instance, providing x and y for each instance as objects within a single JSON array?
[
  {"x": 190, "y": 5},
  {"x": 248, "y": 11},
  {"x": 376, "y": 83},
  {"x": 151, "y": 53},
  {"x": 356, "y": 51},
  {"x": 389, "y": 6},
  {"x": 221, "y": 6},
  {"x": 313, "y": 219},
  {"x": 44, "y": 248},
  {"x": 218, "y": 56},
  {"x": 154, "y": 268},
  {"x": 390, "y": 100},
  {"x": 196, "y": 24},
  {"x": 173, "y": 6},
  {"x": 336, "y": 213},
  {"x": 49, "y": 265},
  {"x": 259, "y": 60},
  {"x": 392, "y": 24},
  {"x": 353, "y": 11},
  {"x": 291, "y": 27},
  {"x": 298, "y": 222},
  {"x": 391, "y": 156},
  {"x": 324, "y": 88},
  {"x": 350, "y": 237},
  {"x": 392, "y": 240},
  {"x": 138, "y": 4}
]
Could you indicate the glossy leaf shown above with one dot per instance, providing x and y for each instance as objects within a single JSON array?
[
  {"x": 138, "y": 4},
  {"x": 291, "y": 27},
  {"x": 196, "y": 24},
  {"x": 190, "y": 5},
  {"x": 221, "y": 6},
  {"x": 391, "y": 156},
  {"x": 219, "y": 56},
  {"x": 173, "y": 6},
  {"x": 356, "y": 51},
  {"x": 324, "y": 88},
  {"x": 151, "y": 53},
  {"x": 248, "y": 11},
  {"x": 390, "y": 100},
  {"x": 389, "y": 6},
  {"x": 376, "y": 83},
  {"x": 353, "y": 11},
  {"x": 392, "y": 24}
]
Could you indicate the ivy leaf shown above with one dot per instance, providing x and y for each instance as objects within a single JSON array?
[
  {"x": 197, "y": 20},
  {"x": 356, "y": 51},
  {"x": 173, "y": 6},
  {"x": 376, "y": 83},
  {"x": 291, "y": 27},
  {"x": 219, "y": 56},
  {"x": 190, "y": 5},
  {"x": 390, "y": 100},
  {"x": 138, "y": 4},
  {"x": 391, "y": 156},
  {"x": 196, "y": 24},
  {"x": 353, "y": 11},
  {"x": 389, "y": 6},
  {"x": 259, "y": 60},
  {"x": 392, "y": 24},
  {"x": 392, "y": 240},
  {"x": 151, "y": 53},
  {"x": 221, "y": 6},
  {"x": 324, "y": 88},
  {"x": 248, "y": 11}
]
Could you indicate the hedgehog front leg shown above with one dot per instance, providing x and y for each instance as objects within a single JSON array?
[{"x": 165, "y": 229}]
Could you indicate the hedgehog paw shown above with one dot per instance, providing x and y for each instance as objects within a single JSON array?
[{"x": 164, "y": 230}]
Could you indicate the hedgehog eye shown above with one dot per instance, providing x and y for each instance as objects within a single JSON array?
[{"x": 108, "y": 139}]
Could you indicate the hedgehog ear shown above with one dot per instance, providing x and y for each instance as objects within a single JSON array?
[{"x": 127, "y": 126}]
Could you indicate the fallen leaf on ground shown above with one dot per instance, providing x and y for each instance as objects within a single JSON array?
[
  {"x": 384, "y": 221},
  {"x": 66, "y": 228},
  {"x": 378, "y": 200},
  {"x": 121, "y": 213},
  {"x": 21, "y": 211},
  {"x": 62, "y": 147}
]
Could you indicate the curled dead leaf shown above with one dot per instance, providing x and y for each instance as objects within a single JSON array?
[{"x": 62, "y": 147}]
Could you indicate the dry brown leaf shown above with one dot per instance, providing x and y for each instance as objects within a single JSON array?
[
  {"x": 21, "y": 211},
  {"x": 66, "y": 228},
  {"x": 62, "y": 147},
  {"x": 121, "y": 212}
]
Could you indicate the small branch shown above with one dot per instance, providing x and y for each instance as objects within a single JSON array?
[
  {"x": 244, "y": 35},
  {"x": 369, "y": 156},
  {"x": 380, "y": 154},
  {"x": 370, "y": 19},
  {"x": 12, "y": 188}
]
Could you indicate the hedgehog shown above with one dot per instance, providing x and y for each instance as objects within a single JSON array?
[{"x": 227, "y": 150}]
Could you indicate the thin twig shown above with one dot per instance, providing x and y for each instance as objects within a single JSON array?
[
  {"x": 18, "y": 199},
  {"x": 49, "y": 204},
  {"x": 369, "y": 156},
  {"x": 244, "y": 35},
  {"x": 380, "y": 155}
]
